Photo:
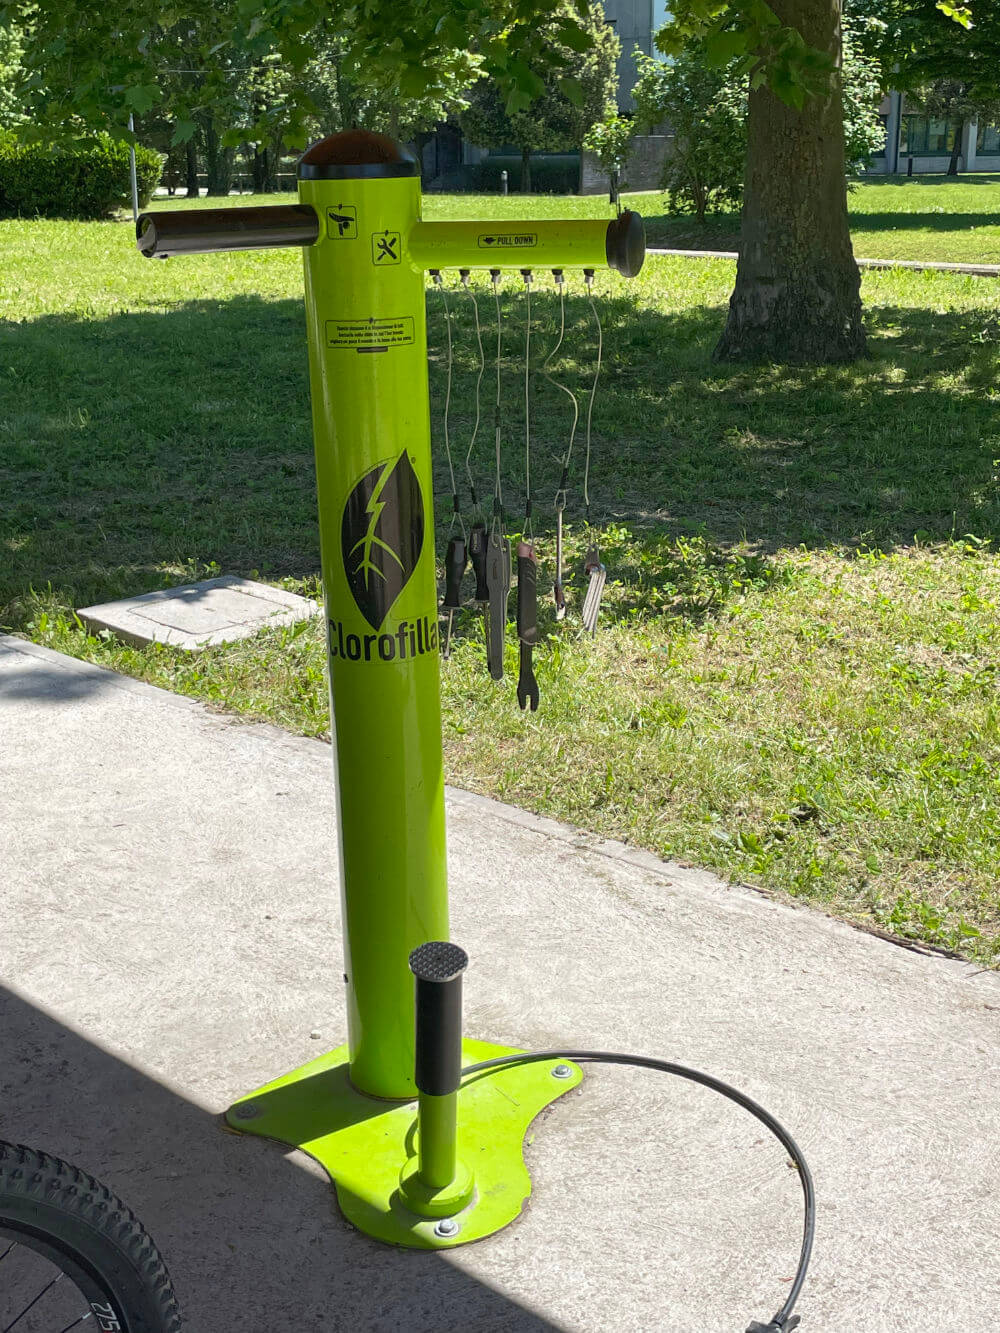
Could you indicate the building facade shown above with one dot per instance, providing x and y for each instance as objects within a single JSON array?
[
  {"x": 635, "y": 22},
  {"x": 913, "y": 142}
]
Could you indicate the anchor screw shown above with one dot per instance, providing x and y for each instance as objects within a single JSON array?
[
  {"x": 447, "y": 1228},
  {"x": 562, "y": 1071},
  {"x": 246, "y": 1111}
]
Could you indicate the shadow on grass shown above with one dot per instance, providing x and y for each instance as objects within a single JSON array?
[
  {"x": 142, "y": 450},
  {"x": 903, "y": 221}
]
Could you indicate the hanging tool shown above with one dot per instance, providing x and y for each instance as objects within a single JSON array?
[
  {"x": 455, "y": 560},
  {"x": 498, "y": 585},
  {"x": 498, "y": 571},
  {"x": 527, "y": 561},
  {"x": 478, "y": 539},
  {"x": 456, "y": 556},
  {"x": 527, "y": 623},
  {"x": 593, "y": 567},
  {"x": 478, "y": 535},
  {"x": 560, "y": 499},
  {"x": 597, "y": 574},
  {"x": 557, "y": 584}
]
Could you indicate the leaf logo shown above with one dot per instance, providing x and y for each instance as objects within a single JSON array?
[{"x": 382, "y": 535}]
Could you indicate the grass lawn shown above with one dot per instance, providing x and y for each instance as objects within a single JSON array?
[
  {"x": 925, "y": 217},
  {"x": 795, "y": 680}
]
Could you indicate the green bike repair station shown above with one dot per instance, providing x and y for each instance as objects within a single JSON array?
[{"x": 421, "y": 1131}]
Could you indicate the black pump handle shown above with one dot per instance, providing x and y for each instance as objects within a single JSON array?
[{"x": 438, "y": 968}]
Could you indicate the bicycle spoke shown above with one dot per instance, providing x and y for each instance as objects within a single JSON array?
[
  {"x": 31, "y": 1304},
  {"x": 11, "y": 1246},
  {"x": 76, "y": 1323}
]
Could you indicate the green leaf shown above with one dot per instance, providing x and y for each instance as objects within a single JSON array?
[
  {"x": 573, "y": 36},
  {"x": 143, "y": 97},
  {"x": 572, "y": 90},
  {"x": 721, "y": 47},
  {"x": 959, "y": 12},
  {"x": 183, "y": 131}
]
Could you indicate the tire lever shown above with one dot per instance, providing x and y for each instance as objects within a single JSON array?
[
  {"x": 595, "y": 589},
  {"x": 527, "y": 623}
]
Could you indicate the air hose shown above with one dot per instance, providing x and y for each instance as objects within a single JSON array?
[
  {"x": 437, "y": 968},
  {"x": 784, "y": 1321}
]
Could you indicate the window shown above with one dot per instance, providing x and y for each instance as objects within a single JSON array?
[
  {"x": 988, "y": 142},
  {"x": 923, "y": 134},
  {"x": 880, "y": 152}
]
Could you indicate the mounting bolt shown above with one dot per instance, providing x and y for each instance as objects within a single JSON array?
[
  {"x": 447, "y": 1228},
  {"x": 246, "y": 1111},
  {"x": 562, "y": 1071}
]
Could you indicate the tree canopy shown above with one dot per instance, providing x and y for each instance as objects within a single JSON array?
[
  {"x": 89, "y": 64},
  {"x": 573, "y": 94}
]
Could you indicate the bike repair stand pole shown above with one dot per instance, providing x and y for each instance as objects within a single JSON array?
[{"x": 366, "y": 252}]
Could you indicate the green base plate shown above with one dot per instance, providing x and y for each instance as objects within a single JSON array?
[{"x": 363, "y": 1143}]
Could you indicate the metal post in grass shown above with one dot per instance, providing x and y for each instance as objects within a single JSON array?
[
  {"x": 366, "y": 251},
  {"x": 132, "y": 173}
]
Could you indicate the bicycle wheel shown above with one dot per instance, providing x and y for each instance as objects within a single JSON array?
[{"x": 73, "y": 1256}]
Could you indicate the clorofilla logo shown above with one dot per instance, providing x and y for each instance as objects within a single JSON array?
[{"x": 381, "y": 537}]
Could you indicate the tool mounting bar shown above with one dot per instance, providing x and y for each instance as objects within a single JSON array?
[{"x": 573, "y": 243}]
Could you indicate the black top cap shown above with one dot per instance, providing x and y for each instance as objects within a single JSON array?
[
  {"x": 438, "y": 961},
  {"x": 626, "y": 243},
  {"x": 356, "y": 155}
]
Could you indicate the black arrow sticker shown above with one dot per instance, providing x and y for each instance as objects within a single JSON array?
[{"x": 381, "y": 536}]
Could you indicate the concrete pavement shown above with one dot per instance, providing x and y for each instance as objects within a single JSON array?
[{"x": 171, "y": 940}]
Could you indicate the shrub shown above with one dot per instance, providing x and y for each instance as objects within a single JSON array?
[{"x": 88, "y": 180}]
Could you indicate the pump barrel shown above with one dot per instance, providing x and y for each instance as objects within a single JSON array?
[{"x": 210, "y": 230}]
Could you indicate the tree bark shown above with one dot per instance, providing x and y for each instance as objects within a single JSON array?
[
  {"x": 218, "y": 161},
  {"x": 525, "y": 170},
  {"x": 797, "y": 294},
  {"x": 191, "y": 169}
]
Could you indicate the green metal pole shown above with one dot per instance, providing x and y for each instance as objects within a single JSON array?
[
  {"x": 366, "y": 319},
  {"x": 365, "y": 311},
  {"x": 437, "y": 1117}
]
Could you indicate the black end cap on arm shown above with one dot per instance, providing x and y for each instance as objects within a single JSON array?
[
  {"x": 626, "y": 243},
  {"x": 438, "y": 968}
]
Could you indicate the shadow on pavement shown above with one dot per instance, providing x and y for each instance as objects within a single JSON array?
[{"x": 250, "y": 1233}]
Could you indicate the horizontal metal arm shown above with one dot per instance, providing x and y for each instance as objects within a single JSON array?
[
  {"x": 566, "y": 243},
  {"x": 200, "y": 231}
]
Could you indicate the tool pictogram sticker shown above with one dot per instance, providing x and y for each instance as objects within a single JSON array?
[
  {"x": 343, "y": 222},
  {"x": 386, "y": 248}
]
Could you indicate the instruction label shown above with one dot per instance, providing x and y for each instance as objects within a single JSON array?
[
  {"x": 370, "y": 335},
  {"x": 512, "y": 240}
]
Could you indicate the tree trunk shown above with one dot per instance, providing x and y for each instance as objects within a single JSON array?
[
  {"x": 956, "y": 149},
  {"x": 525, "y": 170},
  {"x": 191, "y": 168},
  {"x": 797, "y": 294},
  {"x": 218, "y": 161},
  {"x": 258, "y": 169}
]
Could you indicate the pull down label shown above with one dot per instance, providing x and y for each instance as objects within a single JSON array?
[
  {"x": 370, "y": 335},
  {"x": 512, "y": 240}
]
